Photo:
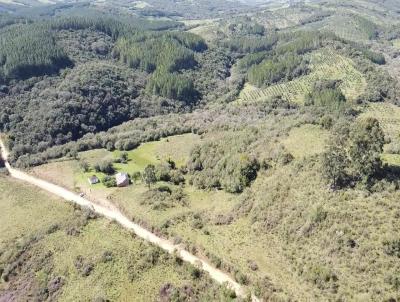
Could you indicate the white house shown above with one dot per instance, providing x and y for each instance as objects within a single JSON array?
[{"x": 122, "y": 179}]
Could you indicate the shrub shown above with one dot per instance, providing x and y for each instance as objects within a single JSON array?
[
  {"x": 109, "y": 181},
  {"x": 241, "y": 278},
  {"x": 84, "y": 165},
  {"x": 392, "y": 248},
  {"x": 105, "y": 166},
  {"x": 195, "y": 272}
]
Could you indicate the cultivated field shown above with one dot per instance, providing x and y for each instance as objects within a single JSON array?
[{"x": 325, "y": 64}]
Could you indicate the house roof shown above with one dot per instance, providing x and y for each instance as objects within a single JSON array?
[
  {"x": 121, "y": 177},
  {"x": 93, "y": 179}
]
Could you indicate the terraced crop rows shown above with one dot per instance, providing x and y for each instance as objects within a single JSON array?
[
  {"x": 325, "y": 64},
  {"x": 388, "y": 116}
]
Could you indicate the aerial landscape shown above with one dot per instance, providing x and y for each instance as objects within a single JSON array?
[{"x": 208, "y": 150}]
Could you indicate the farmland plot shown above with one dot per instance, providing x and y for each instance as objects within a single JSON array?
[{"x": 325, "y": 64}]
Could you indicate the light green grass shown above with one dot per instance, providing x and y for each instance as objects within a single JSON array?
[
  {"x": 306, "y": 140},
  {"x": 391, "y": 159},
  {"x": 396, "y": 43},
  {"x": 325, "y": 64},
  {"x": 108, "y": 279},
  {"x": 25, "y": 212}
]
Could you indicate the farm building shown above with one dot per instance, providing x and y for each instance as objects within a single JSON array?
[
  {"x": 122, "y": 179},
  {"x": 93, "y": 180}
]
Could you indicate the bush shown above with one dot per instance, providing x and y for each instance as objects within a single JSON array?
[
  {"x": 109, "y": 181},
  {"x": 105, "y": 166},
  {"x": 392, "y": 248},
  {"x": 195, "y": 273},
  {"x": 241, "y": 278},
  {"x": 354, "y": 153},
  {"x": 84, "y": 166}
]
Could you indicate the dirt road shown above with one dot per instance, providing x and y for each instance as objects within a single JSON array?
[{"x": 114, "y": 214}]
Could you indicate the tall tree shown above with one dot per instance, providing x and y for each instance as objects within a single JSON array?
[
  {"x": 365, "y": 146},
  {"x": 149, "y": 175}
]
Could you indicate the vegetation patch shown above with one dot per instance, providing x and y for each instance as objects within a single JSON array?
[{"x": 324, "y": 64}]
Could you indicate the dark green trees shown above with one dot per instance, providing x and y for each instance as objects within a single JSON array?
[
  {"x": 273, "y": 70},
  {"x": 173, "y": 86},
  {"x": 354, "y": 153},
  {"x": 215, "y": 166},
  {"x": 326, "y": 94},
  {"x": 91, "y": 98},
  {"x": 366, "y": 145},
  {"x": 164, "y": 55},
  {"x": 27, "y": 51}
]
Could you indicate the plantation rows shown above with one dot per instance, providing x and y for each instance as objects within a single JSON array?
[
  {"x": 324, "y": 64},
  {"x": 387, "y": 115}
]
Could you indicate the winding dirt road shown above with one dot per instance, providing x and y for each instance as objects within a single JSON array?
[{"x": 114, "y": 214}]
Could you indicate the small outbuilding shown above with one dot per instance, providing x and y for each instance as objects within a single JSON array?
[
  {"x": 93, "y": 180},
  {"x": 122, "y": 179}
]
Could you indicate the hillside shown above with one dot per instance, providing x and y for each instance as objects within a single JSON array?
[
  {"x": 53, "y": 251},
  {"x": 260, "y": 136}
]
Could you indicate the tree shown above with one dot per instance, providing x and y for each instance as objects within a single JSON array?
[
  {"x": 106, "y": 166},
  {"x": 83, "y": 164},
  {"x": 354, "y": 152},
  {"x": 109, "y": 181},
  {"x": 365, "y": 147},
  {"x": 149, "y": 175},
  {"x": 136, "y": 176},
  {"x": 334, "y": 163},
  {"x": 124, "y": 157}
]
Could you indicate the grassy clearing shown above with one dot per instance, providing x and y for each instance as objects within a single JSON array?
[
  {"x": 141, "y": 4},
  {"x": 396, "y": 43},
  {"x": 306, "y": 140},
  {"x": 68, "y": 173},
  {"x": 126, "y": 272},
  {"x": 324, "y": 64},
  {"x": 20, "y": 214},
  {"x": 221, "y": 234},
  {"x": 109, "y": 279}
]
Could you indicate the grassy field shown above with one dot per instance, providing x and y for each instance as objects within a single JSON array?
[
  {"x": 346, "y": 27},
  {"x": 306, "y": 140},
  {"x": 50, "y": 240},
  {"x": 219, "y": 237},
  {"x": 396, "y": 43},
  {"x": 325, "y": 64},
  {"x": 286, "y": 232}
]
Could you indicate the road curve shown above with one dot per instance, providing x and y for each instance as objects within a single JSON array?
[{"x": 116, "y": 215}]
